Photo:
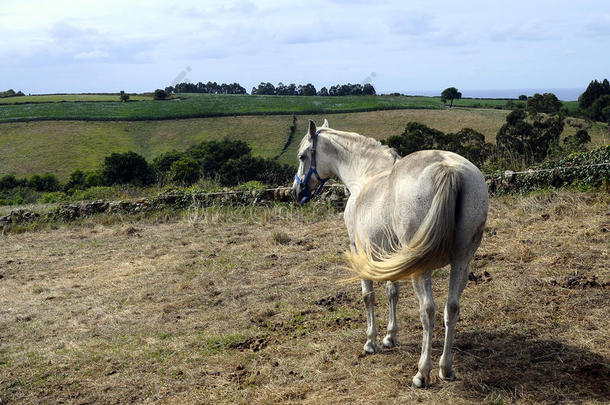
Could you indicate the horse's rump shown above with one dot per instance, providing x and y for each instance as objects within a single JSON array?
[{"x": 428, "y": 248}]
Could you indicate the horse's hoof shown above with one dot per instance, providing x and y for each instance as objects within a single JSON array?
[
  {"x": 370, "y": 348},
  {"x": 450, "y": 376},
  {"x": 389, "y": 342},
  {"x": 419, "y": 381}
]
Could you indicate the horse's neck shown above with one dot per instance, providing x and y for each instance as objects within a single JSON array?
[{"x": 355, "y": 168}]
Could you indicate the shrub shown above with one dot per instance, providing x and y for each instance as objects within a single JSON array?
[
  {"x": 93, "y": 179},
  {"x": 76, "y": 180},
  {"x": 123, "y": 168},
  {"x": 163, "y": 163},
  {"x": 9, "y": 181},
  {"x": 579, "y": 169},
  {"x": 95, "y": 193},
  {"x": 415, "y": 137},
  {"x": 160, "y": 94},
  {"x": 186, "y": 171},
  {"x": 211, "y": 155},
  {"x": 52, "y": 197},
  {"x": 46, "y": 182},
  {"x": 532, "y": 141},
  {"x": 247, "y": 168},
  {"x": 466, "y": 142}
]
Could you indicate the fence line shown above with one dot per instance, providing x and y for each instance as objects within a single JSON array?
[
  {"x": 337, "y": 185},
  {"x": 510, "y": 172}
]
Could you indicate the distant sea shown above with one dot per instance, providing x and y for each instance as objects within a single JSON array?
[{"x": 562, "y": 94}]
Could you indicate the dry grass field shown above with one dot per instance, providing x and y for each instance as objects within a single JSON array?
[{"x": 246, "y": 306}]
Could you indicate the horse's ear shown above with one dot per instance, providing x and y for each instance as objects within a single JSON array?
[
  {"x": 325, "y": 125},
  {"x": 312, "y": 128}
]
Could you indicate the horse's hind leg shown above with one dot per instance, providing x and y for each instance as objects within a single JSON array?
[
  {"x": 392, "y": 292},
  {"x": 457, "y": 282},
  {"x": 368, "y": 296},
  {"x": 423, "y": 287}
]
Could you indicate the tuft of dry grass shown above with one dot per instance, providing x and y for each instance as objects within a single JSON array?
[{"x": 205, "y": 308}]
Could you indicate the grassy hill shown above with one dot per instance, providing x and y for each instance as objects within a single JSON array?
[{"x": 61, "y": 147}]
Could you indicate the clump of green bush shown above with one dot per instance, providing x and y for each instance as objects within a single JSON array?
[{"x": 226, "y": 162}]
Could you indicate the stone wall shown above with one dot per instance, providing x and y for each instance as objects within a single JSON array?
[{"x": 334, "y": 194}]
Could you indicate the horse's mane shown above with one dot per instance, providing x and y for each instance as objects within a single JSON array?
[{"x": 360, "y": 144}]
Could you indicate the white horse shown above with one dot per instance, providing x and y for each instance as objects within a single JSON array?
[{"x": 405, "y": 217}]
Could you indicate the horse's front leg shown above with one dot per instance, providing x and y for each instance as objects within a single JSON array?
[
  {"x": 368, "y": 296},
  {"x": 392, "y": 292},
  {"x": 423, "y": 287}
]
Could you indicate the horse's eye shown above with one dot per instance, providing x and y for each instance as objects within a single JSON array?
[{"x": 301, "y": 157}]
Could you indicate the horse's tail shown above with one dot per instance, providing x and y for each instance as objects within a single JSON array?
[{"x": 429, "y": 248}]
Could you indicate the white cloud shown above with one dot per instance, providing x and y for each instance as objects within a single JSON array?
[{"x": 415, "y": 44}]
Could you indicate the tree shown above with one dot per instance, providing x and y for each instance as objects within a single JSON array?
[
  {"x": 415, "y": 137},
  {"x": 264, "y": 88},
  {"x": 470, "y": 144},
  {"x": 593, "y": 92},
  {"x": 160, "y": 94},
  {"x": 599, "y": 110},
  {"x": 323, "y": 92},
  {"x": 532, "y": 141},
  {"x": 466, "y": 142},
  {"x": 307, "y": 90},
  {"x": 450, "y": 93},
  {"x": 523, "y": 97},
  {"x": 543, "y": 103},
  {"x": 124, "y": 97},
  {"x": 123, "y": 168},
  {"x": 368, "y": 90}
]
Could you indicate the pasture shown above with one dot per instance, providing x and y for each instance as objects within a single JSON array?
[
  {"x": 208, "y": 105},
  {"x": 61, "y": 147},
  {"x": 189, "y": 105},
  {"x": 60, "y": 98},
  {"x": 246, "y": 305}
]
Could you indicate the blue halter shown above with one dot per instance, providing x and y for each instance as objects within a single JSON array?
[{"x": 312, "y": 170}]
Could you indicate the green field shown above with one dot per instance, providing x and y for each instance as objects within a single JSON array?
[
  {"x": 58, "y": 98},
  {"x": 207, "y": 105},
  {"x": 107, "y": 107},
  {"x": 61, "y": 147}
]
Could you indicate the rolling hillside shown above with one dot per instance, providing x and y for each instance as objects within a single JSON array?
[{"x": 60, "y": 147}]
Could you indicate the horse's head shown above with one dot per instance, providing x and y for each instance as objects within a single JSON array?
[{"x": 314, "y": 168}]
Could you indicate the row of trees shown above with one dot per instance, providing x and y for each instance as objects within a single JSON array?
[
  {"x": 264, "y": 88},
  {"x": 209, "y": 87},
  {"x": 309, "y": 90}
]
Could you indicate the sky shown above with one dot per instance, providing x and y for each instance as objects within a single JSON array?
[{"x": 403, "y": 46}]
